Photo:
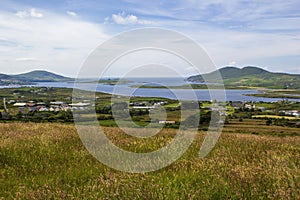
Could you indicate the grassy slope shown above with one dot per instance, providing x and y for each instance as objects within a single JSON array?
[
  {"x": 40, "y": 76},
  {"x": 39, "y": 161},
  {"x": 252, "y": 77},
  {"x": 31, "y": 77}
]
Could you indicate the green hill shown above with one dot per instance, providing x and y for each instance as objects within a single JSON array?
[
  {"x": 251, "y": 77},
  {"x": 41, "y": 76},
  {"x": 32, "y": 77}
]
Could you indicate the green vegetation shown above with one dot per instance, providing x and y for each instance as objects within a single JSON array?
[
  {"x": 288, "y": 93},
  {"x": 274, "y": 117},
  {"x": 109, "y": 81},
  {"x": 38, "y": 94},
  {"x": 31, "y": 78},
  {"x": 48, "y": 161},
  {"x": 47, "y": 95},
  {"x": 251, "y": 77},
  {"x": 137, "y": 106}
]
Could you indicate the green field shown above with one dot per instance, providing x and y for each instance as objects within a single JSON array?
[
  {"x": 274, "y": 117},
  {"x": 250, "y": 76},
  {"x": 48, "y": 161}
]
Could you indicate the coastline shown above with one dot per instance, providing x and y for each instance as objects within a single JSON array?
[{"x": 236, "y": 94}]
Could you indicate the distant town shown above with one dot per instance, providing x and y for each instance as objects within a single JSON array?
[{"x": 56, "y": 104}]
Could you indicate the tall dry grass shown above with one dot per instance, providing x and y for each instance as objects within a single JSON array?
[{"x": 48, "y": 161}]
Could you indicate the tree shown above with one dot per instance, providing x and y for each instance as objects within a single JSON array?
[{"x": 120, "y": 106}]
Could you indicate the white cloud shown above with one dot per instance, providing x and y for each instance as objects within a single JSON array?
[
  {"x": 191, "y": 70},
  {"x": 233, "y": 12},
  {"x": 288, "y": 23},
  {"x": 71, "y": 13},
  {"x": 57, "y": 43},
  {"x": 123, "y": 19},
  {"x": 245, "y": 32},
  {"x": 26, "y": 59},
  {"x": 22, "y": 14},
  {"x": 232, "y": 63},
  {"x": 34, "y": 13},
  {"x": 30, "y": 13},
  {"x": 106, "y": 20},
  {"x": 245, "y": 47}
]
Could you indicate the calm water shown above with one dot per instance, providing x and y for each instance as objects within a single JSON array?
[{"x": 183, "y": 94}]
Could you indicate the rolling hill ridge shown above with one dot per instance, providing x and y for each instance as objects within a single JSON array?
[
  {"x": 32, "y": 77},
  {"x": 251, "y": 77}
]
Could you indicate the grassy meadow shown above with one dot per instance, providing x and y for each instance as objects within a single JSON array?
[{"x": 250, "y": 161}]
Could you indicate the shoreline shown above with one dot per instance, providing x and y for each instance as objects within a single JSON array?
[{"x": 269, "y": 94}]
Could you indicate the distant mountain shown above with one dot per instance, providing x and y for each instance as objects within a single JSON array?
[
  {"x": 32, "y": 77},
  {"x": 41, "y": 76},
  {"x": 4, "y": 76},
  {"x": 251, "y": 77}
]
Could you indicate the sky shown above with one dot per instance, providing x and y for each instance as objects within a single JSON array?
[{"x": 59, "y": 35}]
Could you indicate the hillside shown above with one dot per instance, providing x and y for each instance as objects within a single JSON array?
[
  {"x": 251, "y": 77},
  {"x": 49, "y": 161},
  {"x": 31, "y": 78}
]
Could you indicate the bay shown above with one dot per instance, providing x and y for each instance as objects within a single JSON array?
[{"x": 181, "y": 94}]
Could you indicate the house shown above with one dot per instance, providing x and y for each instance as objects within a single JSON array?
[
  {"x": 41, "y": 109},
  {"x": 20, "y": 104},
  {"x": 294, "y": 113},
  {"x": 77, "y": 106},
  {"x": 41, "y": 103},
  {"x": 237, "y": 104},
  {"x": 54, "y": 109},
  {"x": 160, "y": 103},
  {"x": 143, "y": 107},
  {"x": 57, "y": 103},
  {"x": 166, "y": 122},
  {"x": 144, "y": 103},
  {"x": 80, "y": 104},
  {"x": 249, "y": 106},
  {"x": 11, "y": 101}
]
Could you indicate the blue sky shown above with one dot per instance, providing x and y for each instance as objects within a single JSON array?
[{"x": 59, "y": 35}]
